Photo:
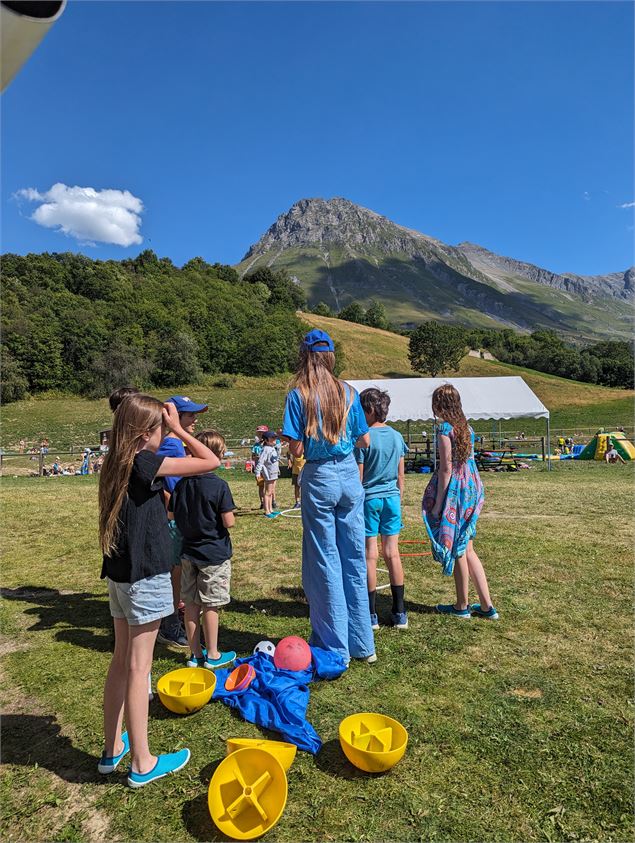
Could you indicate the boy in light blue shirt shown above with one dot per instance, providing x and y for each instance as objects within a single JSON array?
[{"x": 381, "y": 468}]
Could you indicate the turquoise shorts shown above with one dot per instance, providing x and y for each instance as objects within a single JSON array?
[{"x": 382, "y": 516}]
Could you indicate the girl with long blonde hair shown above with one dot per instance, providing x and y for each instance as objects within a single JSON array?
[
  {"x": 324, "y": 421},
  {"x": 137, "y": 560},
  {"x": 451, "y": 505}
]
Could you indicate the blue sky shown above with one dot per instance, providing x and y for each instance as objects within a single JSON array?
[{"x": 506, "y": 124}]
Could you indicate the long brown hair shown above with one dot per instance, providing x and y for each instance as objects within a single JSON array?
[
  {"x": 446, "y": 404},
  {"x": 323, "y": 395},
  {"x": 137, "y": 415}
]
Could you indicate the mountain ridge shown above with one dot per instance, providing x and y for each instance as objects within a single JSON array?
[{"x": 339, "y": 251}]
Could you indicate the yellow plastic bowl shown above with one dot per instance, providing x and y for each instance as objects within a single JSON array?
[
  {"x": 373, "y": 742},
  {"x": 187, "y": 689},
  {"x": 247, "y": 793},
  {"x": 284, "y": 752}
]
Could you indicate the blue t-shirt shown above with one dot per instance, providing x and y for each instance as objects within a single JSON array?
[
  {"x": 171, "y": 447},
  {"x": 381, "y": 462},
  {"x": 319, "y": 449}
]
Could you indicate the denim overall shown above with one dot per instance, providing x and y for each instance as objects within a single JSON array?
[{"x": 334, "y": 558}]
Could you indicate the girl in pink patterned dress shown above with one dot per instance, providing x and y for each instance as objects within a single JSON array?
[{"x": 451, "y": 505}]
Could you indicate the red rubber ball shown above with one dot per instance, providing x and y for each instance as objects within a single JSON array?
[{"x": 292, "y": 653}]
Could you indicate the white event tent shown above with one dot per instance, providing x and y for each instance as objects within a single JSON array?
[{"x": 482, "y": 398}]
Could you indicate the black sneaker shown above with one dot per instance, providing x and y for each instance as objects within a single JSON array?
[{"x": 171, "y": 632}]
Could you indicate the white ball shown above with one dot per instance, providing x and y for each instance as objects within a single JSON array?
[{"x": 266, "y": 647}]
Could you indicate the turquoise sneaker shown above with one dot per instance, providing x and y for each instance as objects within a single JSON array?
[
  {"x": 108, "y": 764},
  {"x": 448, "y": 609},
  {"x": 490, "y": 615},
  {"x": 172, "y": 762},
  {"x": 194, "y": 662},
  {"x": 222, "y": 661}
]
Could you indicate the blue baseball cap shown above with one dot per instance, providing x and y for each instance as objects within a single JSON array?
[
  {"x": 184, "y": 404},
  {"x": 317, "y": 337}
]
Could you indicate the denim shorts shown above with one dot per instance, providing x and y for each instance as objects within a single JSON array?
[
  {"x": 143, "y": 601},
  {"x": 382, "y": 516}
]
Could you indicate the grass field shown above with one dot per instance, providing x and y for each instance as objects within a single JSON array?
[
  {"x": 519, "y": 730},
  {"x": 71, "y": 421}
]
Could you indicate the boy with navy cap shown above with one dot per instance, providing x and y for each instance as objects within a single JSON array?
[{"x": 171, "y": 631}]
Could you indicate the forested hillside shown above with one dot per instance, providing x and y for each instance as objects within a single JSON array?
[{"x": 86, "y": 326}]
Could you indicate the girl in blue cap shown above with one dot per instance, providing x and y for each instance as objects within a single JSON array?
[{"x": 324, "y": 420}]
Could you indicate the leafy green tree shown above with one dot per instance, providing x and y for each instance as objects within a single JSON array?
[
  {"x": 436, "y": 348},
  {"x": 122, "y": 361},
  {"x": 376, "y": 315},
  {"x": 176, "y": 360},
  {"x": 14, "y": 384},
  {"x": 322, "y": 309},
  {"x": 285, "y": 293},
  {"x": 353, "y": 312}
]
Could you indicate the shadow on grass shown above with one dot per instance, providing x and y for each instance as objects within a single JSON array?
[
  {"x": 195, "y": 812},
  {"x": 78, "y": 612},
  {"x": 384, "y": 607},
  {"x": 330, "y": 759},
  {"x": 30, "y": 740}
]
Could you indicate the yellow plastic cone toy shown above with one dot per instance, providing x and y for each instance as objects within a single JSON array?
[{"x": 247, "y": 793}]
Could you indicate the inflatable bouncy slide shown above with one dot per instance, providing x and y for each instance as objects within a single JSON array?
[{"x": 601, "y": 443}]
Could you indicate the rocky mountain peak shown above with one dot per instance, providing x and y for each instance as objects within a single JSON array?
[{"x": 337, "y": 221}]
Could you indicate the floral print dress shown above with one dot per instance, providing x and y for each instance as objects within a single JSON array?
[{"x": 463, "y": 502}]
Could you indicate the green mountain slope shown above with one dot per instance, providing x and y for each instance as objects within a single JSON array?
[{"x": 340, "y": 252}]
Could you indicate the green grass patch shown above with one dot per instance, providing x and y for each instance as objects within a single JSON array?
[{"x": 519, "y": 730}]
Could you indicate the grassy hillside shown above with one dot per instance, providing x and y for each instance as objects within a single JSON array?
[
  {"x": 370, "y": 353},
  {"x": 411, "y": 294}
]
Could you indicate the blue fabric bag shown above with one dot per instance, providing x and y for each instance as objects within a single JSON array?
[{"x": 278, "y": 699}]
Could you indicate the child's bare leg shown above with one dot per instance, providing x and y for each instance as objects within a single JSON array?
[
  {"x": 273, "y": 492},
  {"x": 140, "y": 648},
  {"x": 115, "y": 690},
  {"x": 210, "y": 625},
  {"x": 392, "y": 557},
  {"x": 461, "y": 581},
  {"x": 371, "y": 562},
  {"x": 296, "y": 492},
  {"x": 192, "y": 629},
  {"x": 268, "y": 500},
  {"x": 390, "y": 549},
  {"x": 477, "y": 575}
]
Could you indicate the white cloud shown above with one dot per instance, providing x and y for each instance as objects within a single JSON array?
[
  {"x": 89, "y": 215},
  {"x": 586, "y": 196},
  {"x": 627, "y": 205}
]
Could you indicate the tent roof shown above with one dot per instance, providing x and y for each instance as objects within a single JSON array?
[{"x": 482, "y": 398}]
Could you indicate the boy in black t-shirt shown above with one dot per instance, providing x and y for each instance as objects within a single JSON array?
[{"x": 204, "y": 511}]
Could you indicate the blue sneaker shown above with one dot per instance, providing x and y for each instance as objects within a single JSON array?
[
  {"x": 172, "y": 762},
  {"x": 194, "y": 662},
  {"x": 374, "y": 622},
  {"x": 448, "y": 609},
  {"x": 108, "y": 764},
  {"x": 490, "y": 615},
  {"x": 399, "y": 620},
  {"x": 223, "y": 660},
  {"x": 271, "y": 514}
]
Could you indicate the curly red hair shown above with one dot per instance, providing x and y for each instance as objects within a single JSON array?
[{"x": 446, "y": 404}]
